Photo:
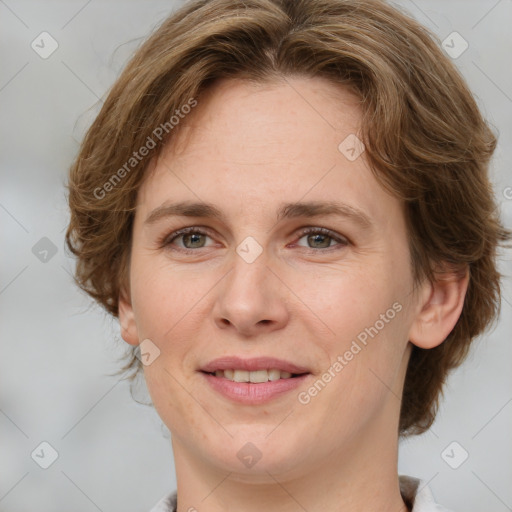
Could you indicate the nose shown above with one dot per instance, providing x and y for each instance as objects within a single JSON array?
[{"x": 251, "y": 299}]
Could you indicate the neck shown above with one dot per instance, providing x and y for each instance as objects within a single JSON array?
[{"x": 361, "y": 474}]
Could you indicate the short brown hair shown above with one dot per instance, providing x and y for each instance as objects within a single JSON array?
[{"x": 425, "y": 139}]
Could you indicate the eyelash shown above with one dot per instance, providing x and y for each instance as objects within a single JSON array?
[{"x": 167, "y": 240}]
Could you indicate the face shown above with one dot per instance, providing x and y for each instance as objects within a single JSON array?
[{"x": 274, "y": 274}]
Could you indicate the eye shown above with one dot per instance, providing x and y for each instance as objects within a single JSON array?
[
  {"x": 195, "y": 238},
  {"x": 191, "y": 237},
  {"x": 321, "y": 238}
]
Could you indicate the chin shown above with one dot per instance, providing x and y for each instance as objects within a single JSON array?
[{"x": 253, "y": 453}]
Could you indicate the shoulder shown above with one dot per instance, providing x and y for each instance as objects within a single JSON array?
[{"x": 417, "y": 494}]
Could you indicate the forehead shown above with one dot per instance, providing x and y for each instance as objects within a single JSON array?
[
  {"x": 249, "y": 145},
  {"x": 269, "y": 113}
]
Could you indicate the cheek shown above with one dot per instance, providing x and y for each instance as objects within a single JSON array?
[
  {"x": 367, "y": 331},
  {"x": 170, "y": 395},
  {"x": 360, "y": 381},
  {"x": 164, "y": 298},
  {"x": 348, "y": 300}
]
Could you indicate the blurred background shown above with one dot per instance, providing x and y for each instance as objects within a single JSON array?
[{"x": 71, "y": 436}]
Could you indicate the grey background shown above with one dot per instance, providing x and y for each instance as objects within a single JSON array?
[{"x": 57, "y": 349}]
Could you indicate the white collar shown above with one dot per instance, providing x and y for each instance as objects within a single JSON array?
[{"x": 417, "y": 493}]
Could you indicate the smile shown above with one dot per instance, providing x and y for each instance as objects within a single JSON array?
[
  {"x": 257, "y": 376},
  {"x": 247, "y": 391}
]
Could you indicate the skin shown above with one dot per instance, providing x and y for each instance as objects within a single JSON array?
[{"x": 247, "y": 148}]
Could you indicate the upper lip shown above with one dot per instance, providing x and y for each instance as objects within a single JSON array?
[{"x": 253, "y": 364}]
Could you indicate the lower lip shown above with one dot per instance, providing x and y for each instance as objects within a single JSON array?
[{"x": 253, "y": 393}]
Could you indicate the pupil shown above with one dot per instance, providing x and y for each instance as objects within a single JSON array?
[
  {"x": 194, "y": 237},
  {"x": 320, "y": 236}
]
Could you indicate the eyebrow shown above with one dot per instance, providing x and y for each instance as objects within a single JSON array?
[{"x": 285, "y": 211}]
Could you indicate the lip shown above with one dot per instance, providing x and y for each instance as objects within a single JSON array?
[
  {"x": 253, "y": 364},
  {"x": 253, "y": 393}
]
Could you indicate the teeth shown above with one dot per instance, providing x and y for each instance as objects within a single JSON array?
[
  {"x": 255, "y": 377},
  {"x": 274, "y": 374},
  {"x": 241, "y": 376},
  {"x": 258, "y": 376}
]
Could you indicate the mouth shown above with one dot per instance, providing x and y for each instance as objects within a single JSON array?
[
  {"x": 253, "y": 381},
  {"x": 255, "y": 377},
  {"x": 255, "y": 370}
]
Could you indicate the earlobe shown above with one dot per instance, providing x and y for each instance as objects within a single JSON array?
[
  {"x": 440, "y": 309},
  {"x": 127, "y": 320}
]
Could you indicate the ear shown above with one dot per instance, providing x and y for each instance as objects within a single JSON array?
[
  {"x": 439, "y": 308},
  {"x": 127, "y": 319}
]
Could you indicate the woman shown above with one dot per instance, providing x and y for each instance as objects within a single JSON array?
[{"x": 278, "y": 203}]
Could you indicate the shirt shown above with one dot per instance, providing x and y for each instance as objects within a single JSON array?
[{"x": 415, "y": 493}]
